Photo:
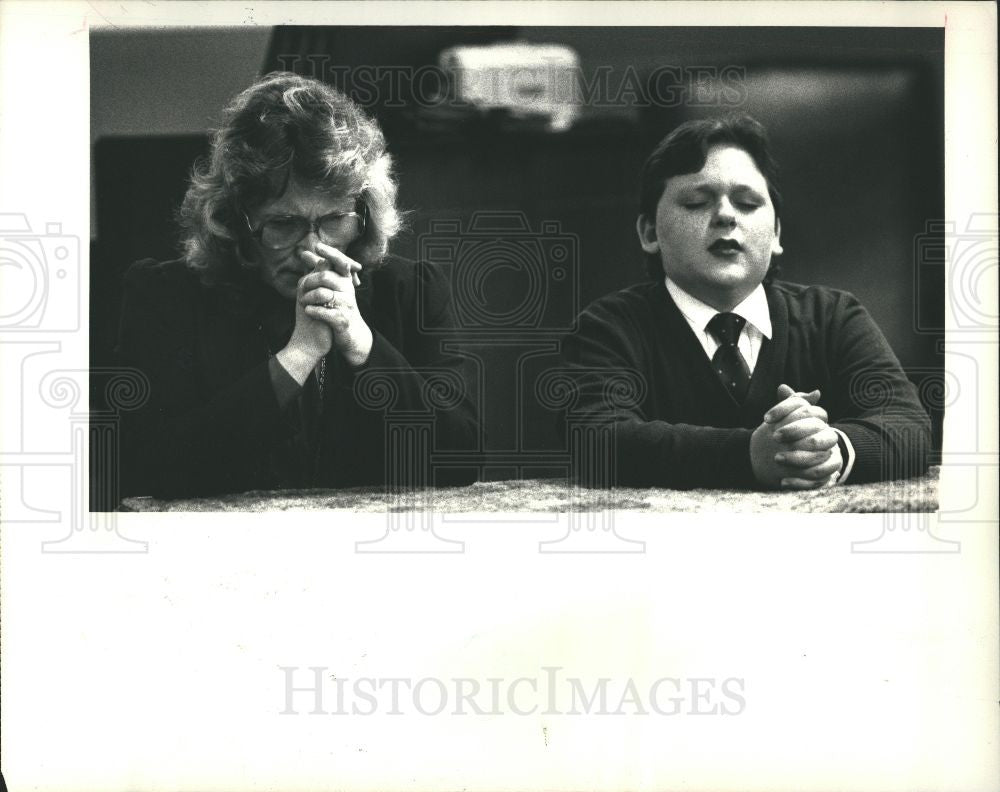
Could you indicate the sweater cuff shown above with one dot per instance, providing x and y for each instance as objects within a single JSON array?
[
  {"x": 286, "y": 389},
  {"x": 743, "y": 472},
  {"x": 867, "y": 446},
  {"x": 847, "y": 453}
]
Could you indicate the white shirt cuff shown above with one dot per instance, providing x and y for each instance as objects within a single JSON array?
[{"x": 849, "y": 462}]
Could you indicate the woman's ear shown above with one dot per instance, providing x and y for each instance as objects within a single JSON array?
[
  {"x": 646, "y": 229},
  {"x": 246, "y": 246},
  {"x": 246, "y": 251}
]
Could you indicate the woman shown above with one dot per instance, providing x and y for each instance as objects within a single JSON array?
[{"x": 256, "y": 342}]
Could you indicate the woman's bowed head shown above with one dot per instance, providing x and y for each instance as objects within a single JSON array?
[
  {"x": 298, "y": 195},
  {"x": 256, "y": 343}
]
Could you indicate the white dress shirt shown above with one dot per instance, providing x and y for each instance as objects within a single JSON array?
[
  {"x": 754, "y": 309},
  {"x": 758, "y": 327}
]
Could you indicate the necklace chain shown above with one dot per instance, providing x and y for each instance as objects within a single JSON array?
[{"x": 321, "y": 377}]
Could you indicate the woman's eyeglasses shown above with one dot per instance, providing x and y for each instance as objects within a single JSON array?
[{"x": 285, "y": 231}]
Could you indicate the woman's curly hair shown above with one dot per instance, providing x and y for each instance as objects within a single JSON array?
[{"x": 285, "y": 125}]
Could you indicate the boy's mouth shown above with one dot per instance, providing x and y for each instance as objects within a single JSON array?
[{"x": 725, "y": 246}]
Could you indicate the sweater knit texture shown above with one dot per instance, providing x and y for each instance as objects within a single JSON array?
[{"x": 640, "y": 372}]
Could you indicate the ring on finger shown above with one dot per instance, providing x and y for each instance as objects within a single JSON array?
[{"x": 331, "y": 303}]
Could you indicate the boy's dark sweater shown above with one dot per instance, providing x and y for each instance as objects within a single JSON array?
[{"x": 684, "y": 430}]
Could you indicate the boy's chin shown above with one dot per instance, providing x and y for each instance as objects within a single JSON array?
[
  {"x": 722, "y": 293},
  {"x": 736, "y": 277}
]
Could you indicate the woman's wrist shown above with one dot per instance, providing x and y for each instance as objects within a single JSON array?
[
  {"x": 359, "y": 353},
  {"x": 298, "y": 362}
]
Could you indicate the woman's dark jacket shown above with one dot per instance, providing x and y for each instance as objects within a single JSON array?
[{"x": 212, "y": 422}]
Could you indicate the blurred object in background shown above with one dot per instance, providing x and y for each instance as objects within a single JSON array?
[
  {"x": 390, "y": 71},
  {"x": 530, "y": 83}
]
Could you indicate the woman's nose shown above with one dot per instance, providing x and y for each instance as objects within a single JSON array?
[{"x": 309, "y": 241}]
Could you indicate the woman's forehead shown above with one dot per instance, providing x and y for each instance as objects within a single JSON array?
[{"x": 304, "y": 199}]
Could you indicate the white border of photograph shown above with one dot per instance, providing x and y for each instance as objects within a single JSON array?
[{"x": 792, "y": 661}]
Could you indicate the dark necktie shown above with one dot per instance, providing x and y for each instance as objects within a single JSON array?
[{"x": 727, "y": 361}]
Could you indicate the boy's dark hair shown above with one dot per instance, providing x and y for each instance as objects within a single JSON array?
[{"x": 685, "y": 150}]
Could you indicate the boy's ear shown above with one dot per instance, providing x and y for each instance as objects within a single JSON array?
[
  {"x": 646, "y": 229},
  {"x": 776, "y": 249}
]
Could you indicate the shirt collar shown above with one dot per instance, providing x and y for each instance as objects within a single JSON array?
[{"x": 754, "y": 308}]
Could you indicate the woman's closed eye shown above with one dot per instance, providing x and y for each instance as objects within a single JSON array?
[{"x": 283, "y": 221}]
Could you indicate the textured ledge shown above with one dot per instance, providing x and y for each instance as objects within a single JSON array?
[{"x": 554, "y": 495}]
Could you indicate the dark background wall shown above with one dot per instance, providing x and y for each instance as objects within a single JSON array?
[{"x": 856, "y": 117}]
